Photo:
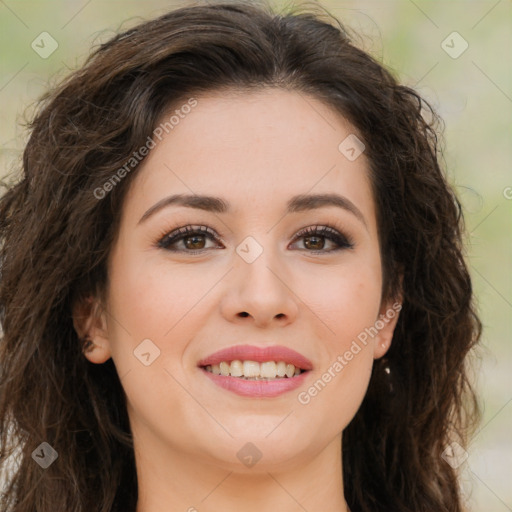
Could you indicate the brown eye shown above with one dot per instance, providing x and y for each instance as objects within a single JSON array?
[
  {"x": 194, "y": 242},
  {"x": 314, "y": 239},
  {"x": 194, "y": 239},
  {"x": 314, "y": 242}
]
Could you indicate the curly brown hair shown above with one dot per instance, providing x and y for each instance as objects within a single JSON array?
[{"x": 56, "y": 237}]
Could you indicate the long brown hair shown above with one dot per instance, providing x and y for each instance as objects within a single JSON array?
[{"x": 55, "y": 237}]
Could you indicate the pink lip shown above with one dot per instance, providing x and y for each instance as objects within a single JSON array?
[
  {"x": 260, "y": 355},
  {"x": 257, "y": 388}
]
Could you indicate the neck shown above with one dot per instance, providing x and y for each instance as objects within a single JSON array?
[{"x": 193, "y": 485}]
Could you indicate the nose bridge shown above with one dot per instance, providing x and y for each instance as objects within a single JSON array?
[
  {"x": 262, "y": 276},
  {"x": 261, "y": 285}
]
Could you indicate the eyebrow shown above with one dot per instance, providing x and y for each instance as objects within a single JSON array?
[{"x": 299, "y": 203}]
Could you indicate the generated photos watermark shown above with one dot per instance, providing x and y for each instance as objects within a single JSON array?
[
  {"x": 137, "y": 156},
  {"x": 342, "y": 360}
]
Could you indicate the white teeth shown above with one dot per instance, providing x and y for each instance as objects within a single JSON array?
[
  {"x": 281, "y": 369},
  {"x": 224, "y": 368},
  {"x": 236, "y": 368},
  {"x": 253, "y": 370},
  {"x": 269, "y": 370}
]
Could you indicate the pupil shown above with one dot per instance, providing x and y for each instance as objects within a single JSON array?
[
  {"x": 195, "y": 239},
  {"x": 318, "y": 239}
]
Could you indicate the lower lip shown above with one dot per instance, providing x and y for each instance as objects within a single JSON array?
[{"x": 257, "y": 388}]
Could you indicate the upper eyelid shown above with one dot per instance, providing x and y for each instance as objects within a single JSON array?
[
  {"x": 206, "y": 230},
  {"x": 190, "y": 229}
]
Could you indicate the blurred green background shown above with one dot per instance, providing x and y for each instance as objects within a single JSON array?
[{"x": 471, "y": 91}]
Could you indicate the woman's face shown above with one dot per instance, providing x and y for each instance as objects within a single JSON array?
[{"x": 252, "y": 279}]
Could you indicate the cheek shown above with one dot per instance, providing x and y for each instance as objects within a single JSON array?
[
  {"x": 148, "y": 302},
  {"x": 346, "y": 299},
  {"x": 149, "y": 299},
  {"x": 340, "y": 384},
  {"x": 347, "y": 303}
]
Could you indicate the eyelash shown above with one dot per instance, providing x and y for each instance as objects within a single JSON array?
[{"x": 331, "y": 233}]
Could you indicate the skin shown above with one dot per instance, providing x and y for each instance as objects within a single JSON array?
[{"x": 255, "y": 151}]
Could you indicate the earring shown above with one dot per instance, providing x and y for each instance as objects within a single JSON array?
[
  {"x": 387, "y": 371},
  {"x": 87, "y": 344}
]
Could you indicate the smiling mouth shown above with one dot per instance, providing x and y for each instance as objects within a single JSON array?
[{"x": 253, "y": 370}]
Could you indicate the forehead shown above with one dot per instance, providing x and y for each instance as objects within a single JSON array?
[{"x": 253, "y": 148}]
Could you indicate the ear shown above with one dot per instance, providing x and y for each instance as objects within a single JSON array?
[
  {"x": 385, "y": 324},
  {"x": 90, "y": 322}
]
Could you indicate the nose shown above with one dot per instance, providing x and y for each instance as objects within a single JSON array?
[{"x": 260, "y": 292}]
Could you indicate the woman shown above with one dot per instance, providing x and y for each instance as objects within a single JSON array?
[{"x": 232, "y": 279}]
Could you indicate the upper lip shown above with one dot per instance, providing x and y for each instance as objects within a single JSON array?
[{"x": 258, "y": 354}]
